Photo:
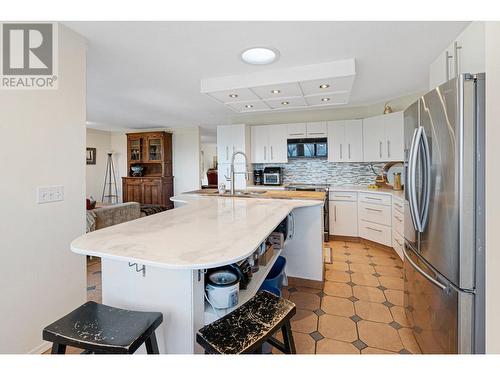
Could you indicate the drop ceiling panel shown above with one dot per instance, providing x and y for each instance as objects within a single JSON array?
[
  {"x": 337, "y": 84},
  {"x": 288, "y": 88},
  {"x": 253, "y": 106},
  {"x": 243, "y": 95},
  {"x": 283, "y": 90},
  {"x": 328, "y": 99},
  {"x": 287, "y": 103}
]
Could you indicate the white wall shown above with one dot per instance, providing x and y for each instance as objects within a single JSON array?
[
  {"x": 94, "y": 180},
  {"x": 209, "y": 150},
  {"x": 186, "y": 159},
  {"x": 119, "y": 147},
  {"x": 492, "y": 183},
  {"x": 43, "y": 144}
]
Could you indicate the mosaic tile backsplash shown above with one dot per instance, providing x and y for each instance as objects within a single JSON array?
[{"x": 320, "y": 171}]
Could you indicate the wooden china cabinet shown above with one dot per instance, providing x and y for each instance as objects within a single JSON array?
[{"x": 153, "y": 152}]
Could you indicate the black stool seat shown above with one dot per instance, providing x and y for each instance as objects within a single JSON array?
[
  {"x": 245, "y": 329},
  {"x": 104, "y": 329}
]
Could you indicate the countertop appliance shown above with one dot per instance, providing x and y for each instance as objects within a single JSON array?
[
  {"x": 444, "y": 217},
  {"x": 258, "y": 176},
  {"x": 326, "y": 207},
  {"x": 272, "y": 176},
  {"x": 307, "y": 148},
  {"x": 222, "y": 287}
]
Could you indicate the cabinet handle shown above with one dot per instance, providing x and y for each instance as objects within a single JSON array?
[
  {"x": 373, "y": 199},
  {"x": 398, "y": 219},
  {"x": 349, "y": 151},
  {"x": 344, "y": 196},
  {"x": 335, "y": 213},
  {"x": 296, "y": 134},
  {"x": 265, "y": 153},
  {"x": 227, "y": 153},
  {"x": 320, "y": 133},
  {"x": 457, "y": 58},
  {"x": 372, "y": 209},
  {"x": 376, "y": 230},
  {"x": 380, "y": 149},
  {"x": 399, "y": 243},
  {"x": 272, "y": 157},
  {"x": 388, "y": 148},
  {"x": 341, "y": 151}
]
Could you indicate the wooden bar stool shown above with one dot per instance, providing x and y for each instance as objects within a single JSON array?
[
  {"x": 102, "y": 329},
  {"x": 245, "y": 329}
]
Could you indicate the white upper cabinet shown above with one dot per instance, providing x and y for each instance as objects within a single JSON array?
[
  {"x": 232, "y": 138},
  {"x": 298, "y": 130},
  {"x": 269, "y": 144},
  {"x": 278, "y": 147},
  {"x": 345, "y": 141},
  {"x": 307, "y": 130},
  {"x": 316, "y": 129},
  {"x": 383, "y": 137},
  {"x": 466, "y": 54}
]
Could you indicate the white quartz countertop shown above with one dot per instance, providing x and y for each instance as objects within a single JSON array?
[{"x": 205, "y": 232}]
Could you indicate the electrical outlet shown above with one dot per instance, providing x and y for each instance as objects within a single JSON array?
[{"x": 48, "y": 194}]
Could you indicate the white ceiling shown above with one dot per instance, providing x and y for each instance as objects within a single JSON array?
[{"x": 147, "y": 74}]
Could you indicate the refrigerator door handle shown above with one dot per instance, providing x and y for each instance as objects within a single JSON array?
[
  {"x": 412, "y": 171},
  {"x": 427, "y": 175},
  {"x": 421, "y": 271}
]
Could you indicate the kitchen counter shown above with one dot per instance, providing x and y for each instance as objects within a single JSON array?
[
  {"x": 205, "y": 232},
  {"x": 270, "y": 194}
]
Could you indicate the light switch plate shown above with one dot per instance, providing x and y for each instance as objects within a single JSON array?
[{"x": 48, "y": 194}]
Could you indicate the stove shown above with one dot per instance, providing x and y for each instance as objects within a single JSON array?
[{"x": 326, "y": 208}]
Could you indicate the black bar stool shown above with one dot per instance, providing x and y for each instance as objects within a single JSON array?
[
  {"x": 102, "y": 329},
  {"x": 245, "y": 329}
]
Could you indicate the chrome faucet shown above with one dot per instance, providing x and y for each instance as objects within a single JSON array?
[{"x": 233, "y": 173}]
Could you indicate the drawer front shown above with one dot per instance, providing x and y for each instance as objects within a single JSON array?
[
  {"x": 397, "y": 221},
  {"x": 343, "y": 196},
  {"x": 375, "y": 198},
  {"x": 375, "y": 232},
  {"x": 397, "y": 204},
  {"x": 397, "y": 243},
  {"x": 375, "y": 213}
]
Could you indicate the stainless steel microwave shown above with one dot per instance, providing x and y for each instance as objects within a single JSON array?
[{"x": 307, "y": 148}]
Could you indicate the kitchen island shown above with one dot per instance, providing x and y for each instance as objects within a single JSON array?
[{"x": 157, "y": 263}]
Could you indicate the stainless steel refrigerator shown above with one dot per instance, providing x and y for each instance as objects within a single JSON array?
[{"x": 444, "y": 217}]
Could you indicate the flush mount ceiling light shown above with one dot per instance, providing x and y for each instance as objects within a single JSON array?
[
  {"x": 259, "y": 55},
  {"x": 324, "y": 86},
  {"x": 249, "y": 106},
  {"x": 275, "y": 91},
  {"x": 233, "y": 95},
  {"x": 285, "y": 103},
  {"x": 325, "y": 99}
]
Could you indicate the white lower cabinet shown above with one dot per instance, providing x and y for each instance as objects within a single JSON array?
[
  {"x": 375, "y": 232},
  {"x": 344, "y": 218},
  {"x": 398, "y": 226}
]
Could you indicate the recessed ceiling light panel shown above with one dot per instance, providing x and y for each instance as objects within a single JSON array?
[
  {"x": 275, "y": 91},
  {"x": 325, "y": 99},
  {"x": 233, "y": 95},
  {"x": 260, "y": 55},
  {"x": 324, "y": 86}
]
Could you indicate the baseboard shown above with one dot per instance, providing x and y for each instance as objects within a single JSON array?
[
  {"x": 40, "y": 349},
  {"x": 344, "y": 238},
  {"x": 360, "y": 240},
  {"x": 297, "y": 281}
]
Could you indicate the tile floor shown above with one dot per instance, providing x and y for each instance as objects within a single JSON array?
[{"x": 359, "y": 310}]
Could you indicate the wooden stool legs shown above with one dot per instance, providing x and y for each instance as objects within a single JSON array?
[
  {"x": 286, "y": 331},
  {"x": 152, "y": 345}
]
